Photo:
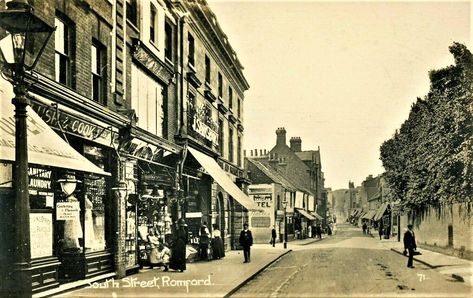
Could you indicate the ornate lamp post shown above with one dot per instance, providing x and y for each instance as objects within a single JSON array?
[
  {"x": 27, "y": 36},
  {"x": 284, "y": 205}
]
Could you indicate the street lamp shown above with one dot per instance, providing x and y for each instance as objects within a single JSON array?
[
  {"x": 284, "y": 205},
  {"x": 26, "y": 38}
]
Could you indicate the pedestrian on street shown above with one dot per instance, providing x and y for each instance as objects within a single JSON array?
[
  {"x": 380, "y": 231},
  {"x": 217, "y": 243},
  {"x": 364, "y": 226},
  {"x": 410, "y": 245},
  {"x": 178, "y": 255},
  {"x": 153, "y": 254},
  {"x": 246, "y": 241},
  {"x": 273, "y": 236},
  {"x": 319, "y": 231},
  {"x": 204, "y": 242}
]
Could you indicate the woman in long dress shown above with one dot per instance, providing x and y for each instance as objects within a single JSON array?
[
  {"x": 153, "y": 241},
  {"x": 178, "y": 255},
  {"x": 217, "y": 243}
]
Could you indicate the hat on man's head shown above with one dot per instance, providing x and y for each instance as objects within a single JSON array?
[
  {"x": 245, "y": 224},
  {"x": 181, "y": 222},
  {"x": 410, "y": 225}
]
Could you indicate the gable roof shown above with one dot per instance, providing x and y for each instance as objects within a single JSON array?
[
  {"x": 309, "y": 155},
  {"x": 272, "y": 174}
]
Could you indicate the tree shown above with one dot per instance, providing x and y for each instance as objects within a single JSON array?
[{"x": 430, "y": 159}]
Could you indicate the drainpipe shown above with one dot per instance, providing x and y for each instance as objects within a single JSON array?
[
  {"x": 183, "y": 110},
  {"x": 114, "y": 47}
]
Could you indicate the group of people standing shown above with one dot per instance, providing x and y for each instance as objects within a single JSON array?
[
  {"x": 210, "y": 242},
  {"x": 169, "y": 255},
  {"x": 317, "y": 231}
]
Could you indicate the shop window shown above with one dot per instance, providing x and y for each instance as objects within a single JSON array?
[
  {"x": 98, "y": 70},
  {"x": 63, "y": 52},
  {"x": 132, "y": 12},
  {"x": 191, "y": 49},
  {"x": 147, "y": 100},
  {"x": 94, "y": 202},
  {"x": 168, "y": 41}
]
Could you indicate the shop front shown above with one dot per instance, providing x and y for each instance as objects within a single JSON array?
[
  {"x": 69, "y": 203},
  {"x": 222, "y": 202},
  {"x": 152, "y": 191}
]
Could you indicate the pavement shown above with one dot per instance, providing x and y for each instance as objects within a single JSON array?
[
  {"x": 217, "y": 278},
  {"x": 457, "y": 268},
  {"x": 222, "y": 278}
]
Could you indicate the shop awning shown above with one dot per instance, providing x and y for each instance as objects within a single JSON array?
[
  {"x": 45, "y": 147},
  {"x": 355, "y": 212},
  {"x": 305, "y": 214},
  {"x": 380, "y": 211},
  {"x": 370, "y": 214},
  {"x": 316, "y": 215},
  {"x": 221, "y": 177}
]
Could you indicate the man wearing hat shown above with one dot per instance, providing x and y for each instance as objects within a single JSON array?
[
  {"x": 246, "y": 241},
  {"x": 410, "y": 245}
]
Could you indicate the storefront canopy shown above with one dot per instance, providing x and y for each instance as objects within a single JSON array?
[
  {"x": 316, "y": 215},
  {"x": 380, "y": 211},
  {"x": 370, "y": 214},
  {"x": 221, "y": 177},
  {"x": 306, "y": 214},
  {"x": 45, "y": 147}
]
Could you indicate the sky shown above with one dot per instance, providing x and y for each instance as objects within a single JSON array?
[{"x": 340, "y": 75}]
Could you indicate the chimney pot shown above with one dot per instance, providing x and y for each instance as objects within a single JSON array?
[
  {"x": 296, "y": 144},
  {"x": 280, "y": 136}
]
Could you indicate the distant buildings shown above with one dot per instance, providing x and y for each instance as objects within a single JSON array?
[{"x": 293, "y": 175}]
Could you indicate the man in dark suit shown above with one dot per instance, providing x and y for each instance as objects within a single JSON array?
[
  {"x": 410, "y": 245},
  {"x": 273, "y": 236},
  {"x": 246, "y": 241}
]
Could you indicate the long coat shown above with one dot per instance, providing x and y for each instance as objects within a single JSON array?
[
  {"x": 246, "y": 238},
  {"x": 409, "y": 240},
  {"x": 178, "y": 256}
]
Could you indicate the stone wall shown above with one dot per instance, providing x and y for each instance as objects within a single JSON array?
[{"x": 447, "y": 229}]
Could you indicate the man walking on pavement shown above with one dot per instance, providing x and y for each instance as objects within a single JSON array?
[
  {"x": 410, "y": 245},
  {"x": 246, "y": 241},
  {"x": 273, "y": 236}
]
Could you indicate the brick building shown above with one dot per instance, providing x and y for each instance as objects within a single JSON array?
[{"x": 148, "y": 93}]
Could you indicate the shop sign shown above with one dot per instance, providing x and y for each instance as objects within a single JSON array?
[
  {"x": 67, "y": 210},
  {"x": 193, "y": 214},
  {"x": 41, "y": 234},
  {"x": 262, "y": 200},
  {"x": 202, "y": 122},
  {"x": 140, "y": 149},
  {"x": 39, "y": 178},
  {"x": 142, "y": 55},
  {"x": 73, "y": 124}
]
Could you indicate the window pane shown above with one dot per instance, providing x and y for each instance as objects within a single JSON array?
[
  {"x": 93, "y": 59},
  {"x": 59, "y": 36},
  {"x": 152, "y": 23}
]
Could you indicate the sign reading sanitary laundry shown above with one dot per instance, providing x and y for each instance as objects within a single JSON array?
[{"x": 67, "y": 210}]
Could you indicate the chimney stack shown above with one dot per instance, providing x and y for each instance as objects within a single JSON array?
[
  {"x": 280, "y": 136},
  {"x": 296, "y": 144}
]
